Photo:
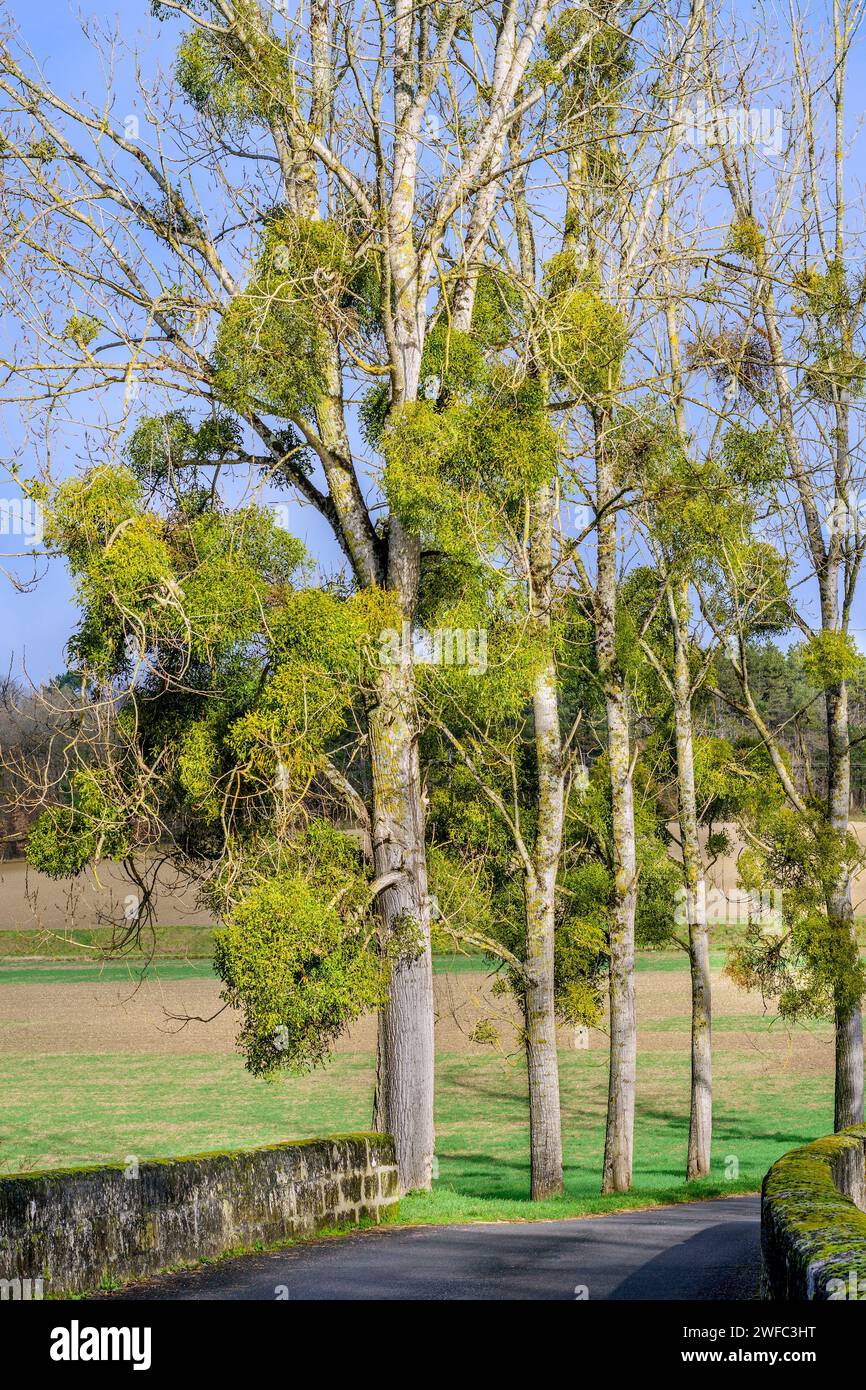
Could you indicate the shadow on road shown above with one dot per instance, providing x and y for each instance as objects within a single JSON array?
[{"x": 721, "y": 1261}]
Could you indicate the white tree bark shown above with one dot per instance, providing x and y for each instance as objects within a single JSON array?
[
  {"x": 404, "y": 1093},
  {"x": 619, "y": 1135},
  {"x": 701, "y": 1108},
  {"x": 540, "y": 1016}
]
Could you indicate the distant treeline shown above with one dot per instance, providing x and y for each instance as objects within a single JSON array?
[
  {"x": 36, "y": 727},
  {"x": 794, "y": 709}
]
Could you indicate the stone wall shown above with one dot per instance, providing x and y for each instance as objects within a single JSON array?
[
  {"x": 813, "y": 1220},
  {"x": 77, "y": 1229}
]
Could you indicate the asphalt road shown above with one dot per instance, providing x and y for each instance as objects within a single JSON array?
[{"x": 705, "y": 1250}]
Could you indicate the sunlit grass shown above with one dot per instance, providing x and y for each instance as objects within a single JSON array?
[{"x": 59, "y": 1111}]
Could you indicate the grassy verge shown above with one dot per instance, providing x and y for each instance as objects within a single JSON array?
[{"x": 66, "y": 1110}]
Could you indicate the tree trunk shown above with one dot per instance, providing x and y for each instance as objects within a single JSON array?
[
  {"x": 701, "y": 1114},
  {"x": 406, "y": 1047},
  {"x": 619, "y": 1136},
  {"x": 701, "y": 1111},
  {"x": 849, "y": 1068},
  {"x": 848, "y": 1107},
  {"x": 404, "y": 1091},
  {"x": 545, "y": 1124}
]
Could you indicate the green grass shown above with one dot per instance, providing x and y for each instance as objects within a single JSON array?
[
  {"x": 134, "y": 968},
  {"x": 25, "y": 970},
  {"x": 743, "y": 1023},
  {"x": 451, "y": 963},
  {"x": 65, "y": 1110},
  {"x": 482, "y": 1143},
  {"x": 674, "y": 960},
  {"x": 182, "y": 941},
  {"x": 92, "y": 972}
]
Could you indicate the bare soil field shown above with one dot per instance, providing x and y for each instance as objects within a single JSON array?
[
  {"x": 30, "y": 900},
  {"x": 181, "y": 1017}
]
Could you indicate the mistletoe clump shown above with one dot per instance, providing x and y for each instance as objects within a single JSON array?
[
  {"x": 172, "y": 446},
  {"x": 755, "y": 458},
  {"x": 297, "y": 955},
  {"x": 223, "y": 80},
  {"x": 270, "y": 352},
  {"x": 582, "y": 336},
  {"x": 89, "y": 829},
  {"x": 804, "y": 960},
  {"x": 835, "y": 372},
  {"x": 829, "y": 658}
]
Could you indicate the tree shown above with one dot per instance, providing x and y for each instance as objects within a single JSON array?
[
  {"x": 687, "y": 504},
  {"x": 272, "y": 253},
  {"x": 614, "y": 194},
  {"x": 800, "y": 311}
]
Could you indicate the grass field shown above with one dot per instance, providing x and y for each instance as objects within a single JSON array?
[
  {"x": 195, "y": 944},
  {"x": 65, "y": 1111},
  {"x": 26, "y": 970},
  {"x": 89, "y": 1074}
]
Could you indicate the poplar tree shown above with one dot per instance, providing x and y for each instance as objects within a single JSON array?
[
  {"x": 269, "y": 255},
  {"x": 790, "y": 265}
]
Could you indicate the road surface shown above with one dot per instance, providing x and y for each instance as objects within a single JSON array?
[{"x": 704, "y": 1250}]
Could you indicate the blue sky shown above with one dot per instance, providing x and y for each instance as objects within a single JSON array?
[{"x": 37, "y": 624}]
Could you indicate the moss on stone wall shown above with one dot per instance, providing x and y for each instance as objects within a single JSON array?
[
  {"x": 79, "y": 1229},
  {"x": 813, "y": 1227}
]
